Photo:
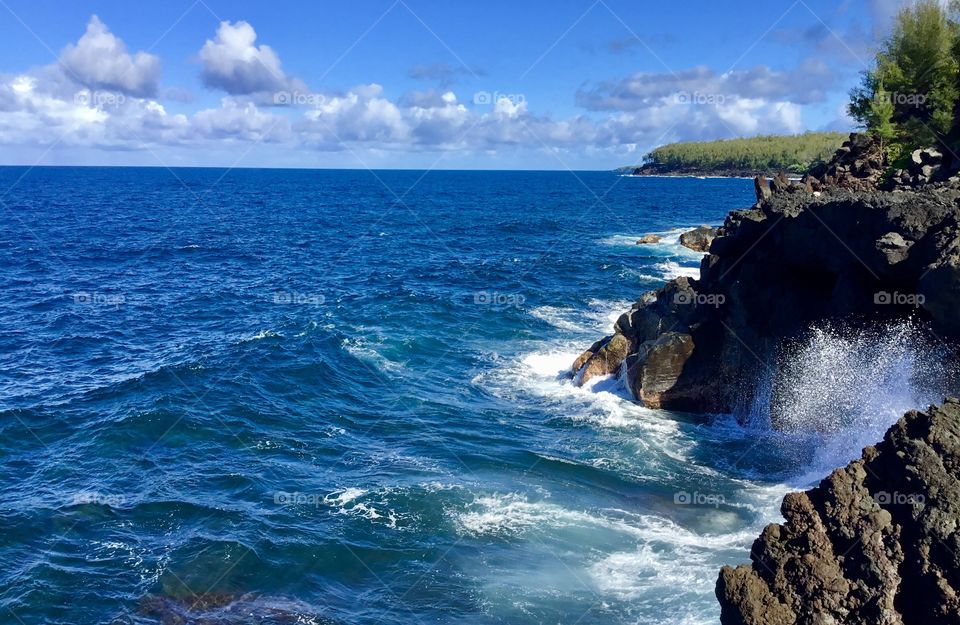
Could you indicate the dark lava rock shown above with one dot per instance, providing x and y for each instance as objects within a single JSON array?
[
  {"x": 774, "y": 270},
  {"x": 877, "y": 542}
]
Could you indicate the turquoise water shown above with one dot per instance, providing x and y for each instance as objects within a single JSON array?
[{"x": 336, "y": 396}]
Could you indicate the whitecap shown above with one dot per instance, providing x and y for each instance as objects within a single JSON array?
[
  {"x": 672, "y": 269},
  {"x": 262, "y": 334}
]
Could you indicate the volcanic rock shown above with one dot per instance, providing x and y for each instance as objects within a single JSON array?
[{"x": 877, "y": 542}]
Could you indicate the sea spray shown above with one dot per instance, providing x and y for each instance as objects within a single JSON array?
[{"x": 841, "y": 387}]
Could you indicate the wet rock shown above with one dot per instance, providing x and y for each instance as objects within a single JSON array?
[
  {"x": 775, "y": 270},
  {"x": 648, "y": 239},
  {"x": 698, "y": 239},
  {"x": 653, "y": 371},
  {"x": 607, "y": 359}
]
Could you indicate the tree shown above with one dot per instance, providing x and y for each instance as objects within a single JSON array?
[
  {"x": 880, "y": 118},
  {"x": 917, "y": 69}
]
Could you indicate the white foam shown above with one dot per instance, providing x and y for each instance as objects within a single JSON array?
[
  {"x": 262, "y": 334},
  {"x": 346, "y": 502},
  {"x": 342, "y": 497},
  {"x": 668, "y": 239},
  {"x": 597, "y": 319},
  {"x": 672, "y": 269},
  {"x": 359, "y": 347}
]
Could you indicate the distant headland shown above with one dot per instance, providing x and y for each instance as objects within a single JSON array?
[{"x": 746, "y": 157}]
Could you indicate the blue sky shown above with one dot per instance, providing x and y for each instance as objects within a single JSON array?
[{"x": 418, "y": 84}]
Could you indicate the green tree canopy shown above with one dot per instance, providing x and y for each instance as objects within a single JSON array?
[{"x": 911, "y": 95}]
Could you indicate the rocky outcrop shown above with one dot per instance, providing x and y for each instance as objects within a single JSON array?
[
  {"x": 698, "y": 239},
  {"x": 792, "y": 260},
  {"x": 648, "y": 239},
  {"x": 859, "y": 165},
  {"x": 876, "y": 543},
  {"x": 923, "y": 167}
]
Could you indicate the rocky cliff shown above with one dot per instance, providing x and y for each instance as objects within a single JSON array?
[
  {"x": 798, "y": 257},
  {"x": 876, "y": 543}
]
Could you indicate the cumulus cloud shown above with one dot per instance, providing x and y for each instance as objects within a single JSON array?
[
  {"x": 804, "y": 84},
  {"x": 99, "y": 60},
  {"x": 234, "y": 63},
  {"x": 115, "y": 107}
]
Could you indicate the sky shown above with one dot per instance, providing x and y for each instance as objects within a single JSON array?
[{"x": 419, "y": 84}]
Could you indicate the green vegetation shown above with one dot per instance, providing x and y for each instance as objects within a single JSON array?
[
  {"x": 796, "y": 153},
  {"x": 911, "y": 98}
]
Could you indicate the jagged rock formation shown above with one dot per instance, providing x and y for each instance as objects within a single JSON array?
[
  {"x": 803, "y": 254},
  {"x": 858, "y": 165},
  {"x": 876, "y": 543}
]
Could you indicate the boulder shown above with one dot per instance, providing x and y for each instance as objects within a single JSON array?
[
  {"x": 648, "y": 239},
  {"x": 607, "y": 359},
  {"x": 894, "y": 247},
  {"x": 654, "y": 370},
  {"x": 699, "y": 239}
]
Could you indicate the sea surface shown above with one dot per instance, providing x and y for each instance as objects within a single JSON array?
[{"x": 287, "y": 396}]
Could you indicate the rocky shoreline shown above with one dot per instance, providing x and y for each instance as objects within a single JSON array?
[
  {"x": 877, "y": 541},
  {"x": 800, "y": 256}
]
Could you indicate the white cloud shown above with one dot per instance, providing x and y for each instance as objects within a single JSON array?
[
  {"x": 241, "y": 122},
  {"x": 100, "y": 61},
  {"x": 113, "y": 106},
  {"x": 234, "y": 63}
]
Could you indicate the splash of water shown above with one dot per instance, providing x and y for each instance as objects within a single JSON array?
[{"x": 842, "y": 387}]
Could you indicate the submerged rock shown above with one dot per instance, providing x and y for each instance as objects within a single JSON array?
[
  {"x": 699, "y": 239},
  {"x": 877, "y": 542},
  {"x": 216, "y": 608}
]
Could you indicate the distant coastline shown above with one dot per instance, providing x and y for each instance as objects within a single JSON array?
[
  {"x": 794, "y": 155},
  {"x": 641, "y": 172}
]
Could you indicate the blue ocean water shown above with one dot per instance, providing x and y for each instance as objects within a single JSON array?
[{"x": 336, "y": 397}]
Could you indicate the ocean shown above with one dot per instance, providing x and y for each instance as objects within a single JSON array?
[{"x": 295, "y": 396}]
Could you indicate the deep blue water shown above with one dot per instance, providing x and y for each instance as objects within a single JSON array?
[{"x": 333, "y": 396}]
